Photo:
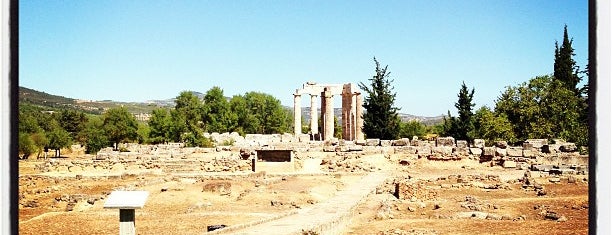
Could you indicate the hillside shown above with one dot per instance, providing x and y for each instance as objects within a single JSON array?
[{"x": 55, "y": 102}]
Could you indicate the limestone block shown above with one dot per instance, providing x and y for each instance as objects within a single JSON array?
[
  {"x": 423, "y": 150},
  {"x": 500, "y": 152},
  {"x": 445, "y": 141},
  {"x": 462, "y": 144},
  {"x": 489, "y": 151},
  {"x": 372, "y": 142},
  {"x": 551, "y": 148},
  {"x": 444, "y": 150},
  {"x": 385, "y": 143},
  {"x": 537, "y": 143},
  {"x": 514, "y": 151},
  {"x": 501, "y": 144},
  {"x": 361, "y": 142},
  {"x": 476, "y": 151},
  {"x": 527, "y": 146},
  {"x": 406, "y": 149},
  {"x": 528, "y": 153},
  {"x": 509, "y": 164},
  {"x": 568, "y": 147},
  {"x": 479, "y": 143},
  {"x": 401, "y": 142}
]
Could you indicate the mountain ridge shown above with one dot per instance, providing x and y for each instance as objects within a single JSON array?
[{"x": 43, "y": 99}]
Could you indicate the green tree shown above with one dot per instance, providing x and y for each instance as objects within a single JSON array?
[
  {"x": 267, "y": 114},
  {"x": 143, "y": 133},
  {"x": 462, "y": 127},
  {"x": 492, "y": 127},
  {"x": 58, "y": 139},
  {"x": 25, "y": 145},
  {"x": 566, "y": 70},
  {"x": 412, "y": 128},
  {"x": 94, "y": 135},
  {"x": 72, "y": 121},
  {"x": 188, "y": 125},
  {"x": 120, "y": 125},
  {"x": 380, "y": 119},
  {"x": 217, "y": 113},
  {"x": 160, "y": 125},
  {"x": 40, "y": 141},
  {"x": 544, "y": 108}
]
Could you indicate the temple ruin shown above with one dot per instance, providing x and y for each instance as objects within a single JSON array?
[{"x": 352, "y": 122}]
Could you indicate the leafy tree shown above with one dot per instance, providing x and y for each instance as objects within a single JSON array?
[
  {"x": 380, "y": 119},
  {"x": 266, "y": 114},
  {"x": 25, "y": 145},
  {"x": 94, "y": 135},
  {"x": 492, "y": 127},
  {"x": 40, "y": 141},
  {"x": 160, "y": 126},
  {"x": 72, "y": 121},
  {"x": 217, "y": 114},
  {"x": 544, "y": 108},
  {"x": 566, "y": 70},
  {"x": 120, "y": 125},
  {"x": 412, "y": 128},
  {"x": 188, "y": 125},
  {"x": 58, "y": 139},
  {"x": 143, "y": 133}
]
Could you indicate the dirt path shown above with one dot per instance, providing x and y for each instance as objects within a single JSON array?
[{"x": 327, "y": 217}]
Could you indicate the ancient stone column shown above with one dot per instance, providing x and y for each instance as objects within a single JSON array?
[
  {"x": 297, "y": 114},
  {"x": 314, "y": 116},
  {"x": 358, "y": 117},
  {"x": 329, "y": 114},
  {"x": 346, "y": 115}
]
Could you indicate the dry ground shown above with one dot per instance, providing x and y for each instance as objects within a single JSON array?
[{"x": 180, "y": 206}]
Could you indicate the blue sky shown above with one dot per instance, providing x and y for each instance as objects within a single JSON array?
[{"x": 142, "y": 50}]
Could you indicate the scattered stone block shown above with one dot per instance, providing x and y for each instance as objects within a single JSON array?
[
  {"x": 385, "y": 143},
  {"x": 527, "y": 146},
  {"x": 509, "y": 164},
  {"x": 445, "y": 141},
  {"x": 462, "y": 144},
  {"x": 501, "y": 144},
  {"x": 401, "y": 142},
  {"x": 372, "y": 142},
  {"x": 479, "y": 143},
  {"x": 551, "y": 148},
  {"x": 489, "y": 151},
  {"x": 514, "y": 151},
  {"x": 476, "y": 151},
  {"x": 537, "y": 143},
  {"x": 528, "y": 153},
  {"x": 500, "y": 152},
  {"x": 568, "y": 147},
  {"x": 554, "y": 180}
]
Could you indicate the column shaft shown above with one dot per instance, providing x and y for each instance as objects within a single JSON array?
[
  {"x": 297, "y": 114},
  {"x": 314, "y": 116},
  {"x": 329, "y": 115},
  {"x": 359, "y": 117}
]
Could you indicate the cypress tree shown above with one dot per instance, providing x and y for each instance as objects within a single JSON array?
[
  {"x": 566, "y": 70},
  {"x": 380, "y": 119}
]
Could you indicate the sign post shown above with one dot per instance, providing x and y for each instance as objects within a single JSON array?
[{"x": 126, "y": 202}]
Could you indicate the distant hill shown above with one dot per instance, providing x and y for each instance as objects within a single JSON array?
[
  {"x": 404, "y": 117},
  {"x": 55, "y": 102}
]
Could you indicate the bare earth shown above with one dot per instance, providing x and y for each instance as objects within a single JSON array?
[{"x": 72, "y": 203}]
